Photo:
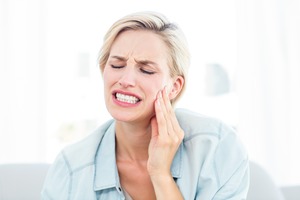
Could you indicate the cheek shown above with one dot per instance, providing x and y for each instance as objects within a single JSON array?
[
  {"x": 104, "y": 75},
  {"x": 153, "y": 89},
  {"x": 159, "y": 85},
  {"x": 108, "y": 77},
  {"x": 107, "y": 82}
]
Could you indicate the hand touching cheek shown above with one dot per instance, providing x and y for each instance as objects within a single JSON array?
[{"x": 166, "y": 137}]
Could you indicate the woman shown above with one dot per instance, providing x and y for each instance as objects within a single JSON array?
[{"x": 149, "y": 151}]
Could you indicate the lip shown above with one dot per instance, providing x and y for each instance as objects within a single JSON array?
[{"x": 124, "y": 104}]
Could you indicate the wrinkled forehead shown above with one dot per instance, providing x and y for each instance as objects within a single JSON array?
[{"x": 141, "y": 45}]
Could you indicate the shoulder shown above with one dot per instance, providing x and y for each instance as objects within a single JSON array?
[
  {"x": 83, "y": 153},
  {"x": 218, "y": 149},
  {"x": 72, "y": 159},
  {"x": 195, "y": 124}
]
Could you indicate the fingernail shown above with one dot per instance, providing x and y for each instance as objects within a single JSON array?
[
  {"x": 165, "y": 90},
  {"x": 158, "y": 102},
  {"x": 160, "y": 94}
]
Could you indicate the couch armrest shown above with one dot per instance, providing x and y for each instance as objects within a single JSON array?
[{"x": 291, "y": 192}]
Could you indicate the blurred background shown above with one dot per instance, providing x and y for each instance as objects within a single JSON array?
[{"x": 245, "y": 70}]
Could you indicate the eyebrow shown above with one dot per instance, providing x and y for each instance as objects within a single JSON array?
[
  {"x": 146, "y": 62},
  {"x": 119, "y": 58},
  {"x": 142, "y": 62}
]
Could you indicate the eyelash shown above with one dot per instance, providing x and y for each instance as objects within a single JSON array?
[
  {"x": 116, "y": 67},
  {"x": 146, "y": 72},
  {"x": 141, "y": 69}
]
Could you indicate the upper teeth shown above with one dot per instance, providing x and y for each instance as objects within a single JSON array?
[{"x": 127, "y": 98}]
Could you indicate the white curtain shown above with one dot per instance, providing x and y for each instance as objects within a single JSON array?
[
  {"x": 269, "y": 84},
  {"x": 22, "y": 80}
]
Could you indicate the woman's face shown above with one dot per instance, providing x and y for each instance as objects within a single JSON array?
[{"x": 136, "y": 70}]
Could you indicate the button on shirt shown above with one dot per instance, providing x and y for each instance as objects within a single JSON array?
[{"x": 211, "y": 163}]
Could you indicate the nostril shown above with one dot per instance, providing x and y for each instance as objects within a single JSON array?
[
  {"x": 126, "y": 81},
  {"x": 122, "y": 83}
]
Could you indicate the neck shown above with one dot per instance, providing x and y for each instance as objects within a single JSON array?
[{"x": 132, "y": 141}]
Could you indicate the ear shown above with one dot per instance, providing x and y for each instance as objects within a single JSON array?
[{"x": 176, "y": 87}]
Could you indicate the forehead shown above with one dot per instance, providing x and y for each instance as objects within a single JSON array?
[{"x": 140, "y": 44}]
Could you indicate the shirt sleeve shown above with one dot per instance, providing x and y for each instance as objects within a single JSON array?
[
  {"x": 57, "y": 183},
  {"x": 231, "y": 166}
]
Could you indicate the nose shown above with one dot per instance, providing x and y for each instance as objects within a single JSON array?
[{"x": 128, "y": 78}]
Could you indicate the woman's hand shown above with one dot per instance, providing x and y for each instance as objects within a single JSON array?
[{"x": 165, "y": 139}]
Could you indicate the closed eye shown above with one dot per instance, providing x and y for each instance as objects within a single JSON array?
[
  {"x": 116, "y": 67},
  {"x": 146, "y": 71}
]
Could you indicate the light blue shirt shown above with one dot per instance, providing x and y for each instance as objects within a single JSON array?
[{"x": 211, "y": 163}]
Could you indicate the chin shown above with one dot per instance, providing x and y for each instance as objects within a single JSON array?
[
  {"x": 131, "y": 117},
  {"x": 120, "y": 115}
]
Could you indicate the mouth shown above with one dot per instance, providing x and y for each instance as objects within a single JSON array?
[{"x": 130, "y": 99}]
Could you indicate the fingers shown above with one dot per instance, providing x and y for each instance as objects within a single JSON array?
[
  {"x": 173, "y": 122},
  {"x": 166, "y": 118},
  {"x": 154, "y": 127},
  {"x": 168, "y": 112},
  {"x": 166, "y": 136},
  {"x": 160, "y": 115}
]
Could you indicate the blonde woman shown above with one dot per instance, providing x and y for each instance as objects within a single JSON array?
[{"x": 149, "y": 150}]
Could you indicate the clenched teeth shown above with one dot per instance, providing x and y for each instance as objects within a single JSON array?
[{"x": 127, "y": 98}]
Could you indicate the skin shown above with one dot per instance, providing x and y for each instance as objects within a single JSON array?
[{"x": 147, "y": 133}]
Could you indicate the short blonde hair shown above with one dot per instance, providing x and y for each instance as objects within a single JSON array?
[{"x": 170, "y": 33}]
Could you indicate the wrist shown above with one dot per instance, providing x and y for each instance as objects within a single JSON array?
[
  {"x": 165, "y": 187},
  {"x": 162, "y": 178}
]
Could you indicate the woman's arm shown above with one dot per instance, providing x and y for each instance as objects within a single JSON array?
[{"x": 167, "y": 135}]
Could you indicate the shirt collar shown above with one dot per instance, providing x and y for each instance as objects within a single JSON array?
[{"x": 106, "y": 172}]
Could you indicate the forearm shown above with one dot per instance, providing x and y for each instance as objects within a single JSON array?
[
  {"x": 166, "y": 137},
  {"x": 166, "y": 188}
]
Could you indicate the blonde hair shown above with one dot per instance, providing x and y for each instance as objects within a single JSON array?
[{"x": 170, "y": 33}]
